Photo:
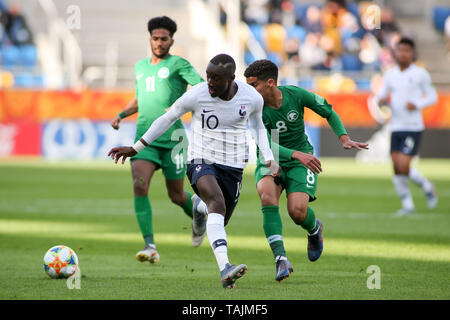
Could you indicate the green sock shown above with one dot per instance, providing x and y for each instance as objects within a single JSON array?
[
  {"x": 273, "y": 229},
  {"x": 187, "y": 206},
  {"x": 143, "y": 212},
  {"x": 310, "y": 224}
]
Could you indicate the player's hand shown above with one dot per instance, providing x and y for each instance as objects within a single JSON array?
[
  {"x": 411, "y": 106},
  {"x": 121, "y": 152},
  {"x": 115, "y": 122},
  {"x": 348, "y": 144},
  {"x": 382, "y": 102},
  {"x": 308, "y": 160},
  {"x": 274, "y": 168}
]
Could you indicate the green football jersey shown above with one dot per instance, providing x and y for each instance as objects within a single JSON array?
[
  {"x": 157, "y": 88},
  {"x": 288, "y": 120}
]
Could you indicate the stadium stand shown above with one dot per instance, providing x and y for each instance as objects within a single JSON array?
[
  {"x": 306, "y": 38},
  {"x": 18, "y": 54}
]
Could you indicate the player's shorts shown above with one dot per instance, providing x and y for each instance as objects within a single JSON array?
[
  {"x": 173, "y": 166},
  {"x": 293, "y": 179},
  {"x": 406, "y": 142},
  {"x": 228, "y": 178}
]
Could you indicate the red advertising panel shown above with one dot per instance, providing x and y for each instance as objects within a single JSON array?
[{"x": 20, "y": 139}]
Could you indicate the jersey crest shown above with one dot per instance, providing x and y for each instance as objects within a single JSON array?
[
  {"x": 242, "y": 111},
  {"x": 292, "y": 116},
  {"x": 163, "y": 73}
]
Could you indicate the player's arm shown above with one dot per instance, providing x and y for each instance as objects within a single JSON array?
[
  {"x": 381, "y": 97},
  {"x": 188, "y": 73},
  {"x": 320, "y": 106},
  {"x": 429, "y": 96},
  {"x": 259, "y": 133},
  {"x": 158, "y": 127},
  {"x": 130, "y": 109}
]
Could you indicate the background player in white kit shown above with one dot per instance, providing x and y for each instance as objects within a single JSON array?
[
  {"x": 218, "y": 148},
  {"x": 410, "y": 91}
]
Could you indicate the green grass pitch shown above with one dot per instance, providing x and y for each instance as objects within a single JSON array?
[{"x": 89, "y": 207}]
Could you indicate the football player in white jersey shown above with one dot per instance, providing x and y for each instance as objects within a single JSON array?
[
  {"x": 410, "y": 91},
  {"x": 218, "y": 149}
]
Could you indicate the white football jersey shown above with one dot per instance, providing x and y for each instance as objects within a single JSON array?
[
  {"x": 410, "y": 85},
  {"x": 218, "y": 128}
]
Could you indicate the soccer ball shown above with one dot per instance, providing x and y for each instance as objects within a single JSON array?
[{"x": 60, "y": 262}]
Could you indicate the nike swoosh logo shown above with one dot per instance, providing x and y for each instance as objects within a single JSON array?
[
  {"x": 139, "y": 76},
  {"x": 206, "y": 111}
]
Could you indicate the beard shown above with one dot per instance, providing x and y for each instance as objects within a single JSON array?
[{"x": 161, "y": 55}]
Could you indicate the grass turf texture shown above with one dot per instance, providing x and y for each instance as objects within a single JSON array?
[{"x": 89, "y": 207}]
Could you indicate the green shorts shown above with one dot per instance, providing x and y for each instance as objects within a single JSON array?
[
  {"x": 173, "y": 165},
  {"x": 293, "y": 179}
]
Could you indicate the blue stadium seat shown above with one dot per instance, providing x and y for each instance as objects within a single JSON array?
[
  {"x": 28, "y": 80},
  {"x": 353, "y": 7},
  {"x": 351, "y": 62},
  {"x": 10, "y": 56},
  {"x": 258, "y": 33},
  {"x": 440, "y": 14},
  {"x": 296, "y": 32},
  {"x": 28, "y": 55},
  {"x": 248, "y": 57},
  {"x": 307, "y": 83},
  {"x": 363, "y": 84},
  {"x": 301, "y": 8},
  {"x": 275, "y": 58}
]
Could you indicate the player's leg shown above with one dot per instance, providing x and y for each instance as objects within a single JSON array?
[
  {"x": 193, "y": 207},
  {"x": 174, "y": 169},
  {"x": 411, "y": 148},
  {"x": 301, "y": 185},
  {"x": 203, "y": 180},
  {"x": 401, "y": 163},
  {"x": 269, "y": 193},
  {"x": 304, "y": 216},
  {"x": 142, "y": 172}
]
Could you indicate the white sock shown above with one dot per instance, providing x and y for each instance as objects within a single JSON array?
[
  {"x": 420, "y": 180},
  {"x": 215, "y": 230},
  {"x": 401, "y": 186}
]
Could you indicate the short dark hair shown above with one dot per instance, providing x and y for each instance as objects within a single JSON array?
[
  {"x": 407, "y": 41},
  {"x": 224, "y": 59},
  {"x": 262, "y": 69},
  {"x": 162, "y": 23}
]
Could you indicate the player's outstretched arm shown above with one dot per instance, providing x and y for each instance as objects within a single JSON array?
[
  {"x": 348, "y": 143},
  {"x": 121, "y": 152},
  {"x": 130, "y": 109}
]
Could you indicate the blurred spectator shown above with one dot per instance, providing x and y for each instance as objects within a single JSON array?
[
  {"x": 370, "y": 52},
  {"x": 387, "y": 26},
  {"x": 311, "y": 53},
  {"x": 3, "y": 19},
  {"x": 312, "y": 21},
  {"x": 336, "y": 37},
  {"x": 17, "y": 28},
  {"x": 256, "y": 11},
  {"x": 275, "y": 37}
]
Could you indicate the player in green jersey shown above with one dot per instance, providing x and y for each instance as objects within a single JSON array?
[
  {"x": 283, "y": 116},
  {"x": 160, "y": 81}
]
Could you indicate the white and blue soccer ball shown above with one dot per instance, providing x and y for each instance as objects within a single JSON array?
[{"x": 60, "y": 262}]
